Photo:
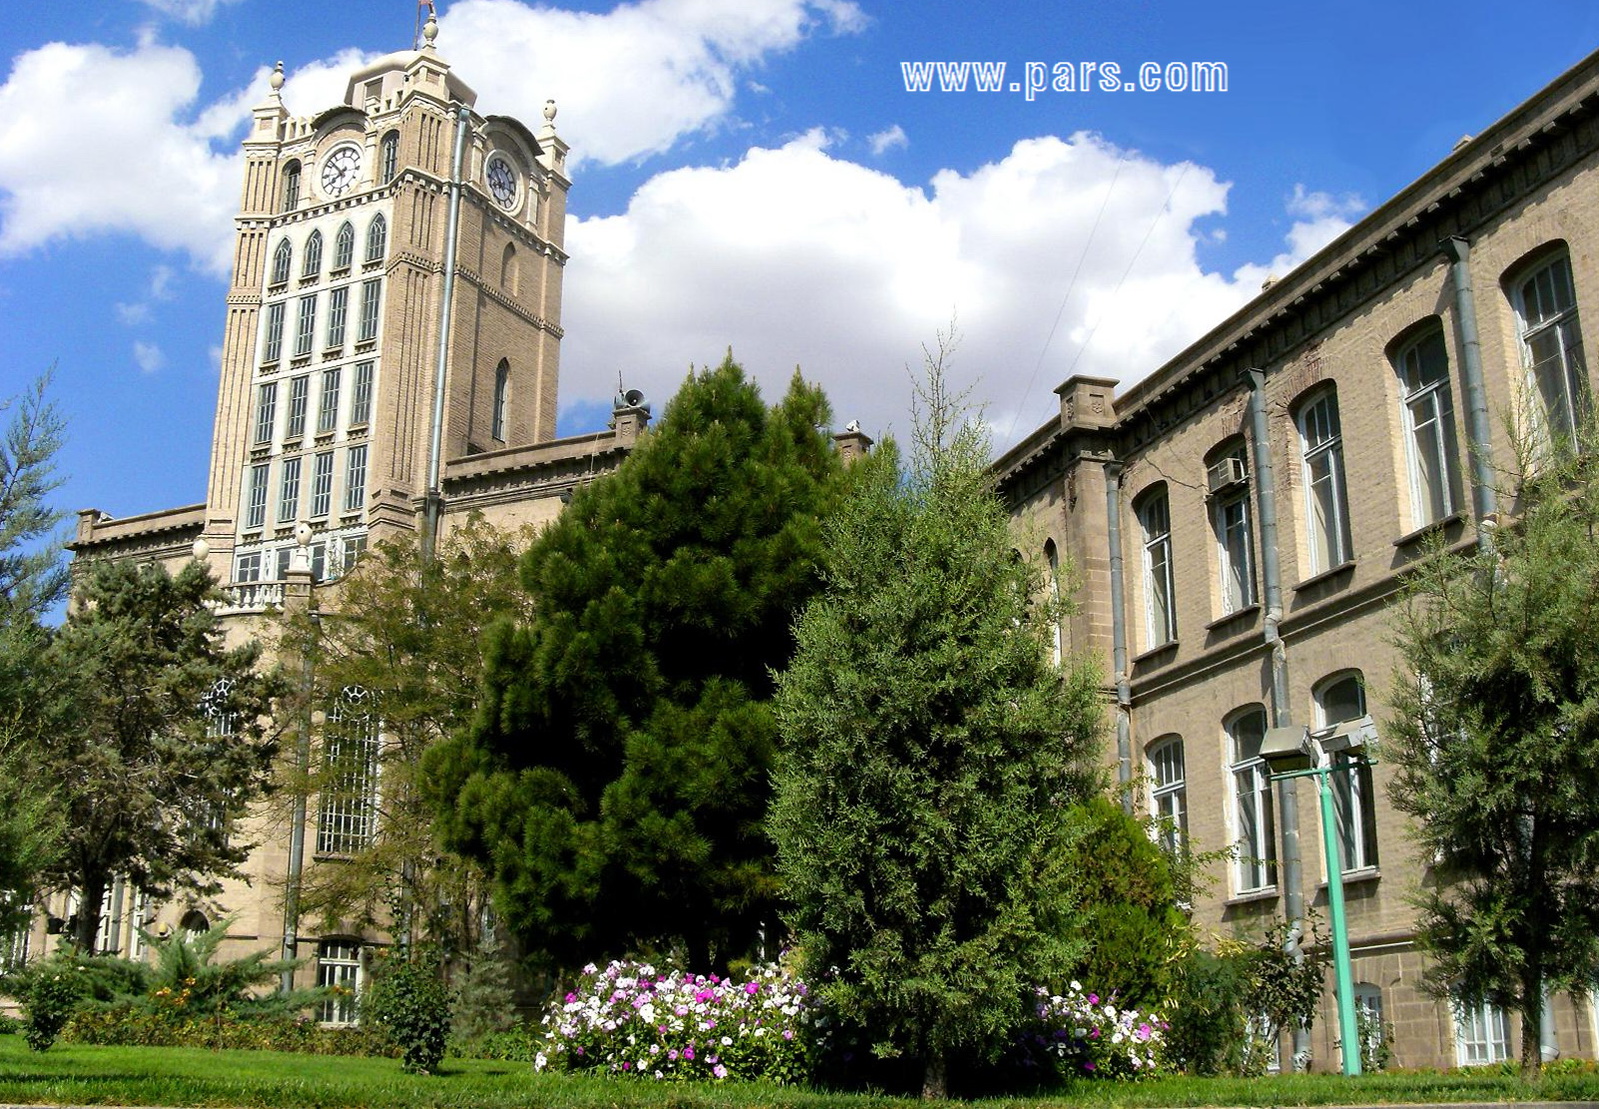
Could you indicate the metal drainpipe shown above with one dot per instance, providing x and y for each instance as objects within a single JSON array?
[
  {"x": 435, "y": 495},
  {"x": 1478, "y": 432},
  {"x": 1118, "y": 626},
  {"x": 302, "y": 765},
  {"x": 1281, "y": 705}
]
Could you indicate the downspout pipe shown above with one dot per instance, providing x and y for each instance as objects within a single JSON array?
[
  {"x": 1118, "y": 626},
  {"x": 435, "y": 494},
  {"x": 1281, "y": 704},
  {"x": 1478, "y": 431}
]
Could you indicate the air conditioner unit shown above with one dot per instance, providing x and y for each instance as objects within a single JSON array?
[{"x": 1225, "y": 473}]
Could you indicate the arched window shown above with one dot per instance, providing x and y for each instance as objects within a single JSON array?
[
  {"x": 312, "y": 266},
  {"x": 291, "y": 186},
  {"x": 510, "y": 275},
  {"x": 502, "y": 390},
  {"x": 282, "y": 258},
  {"x": 1227, "y": 483},
  {"x": 1422, "y": 363},
  {"x": 1253, "y": 818},
  {"x": 389, "y": 157},
  {"x": 1160, "y": 584},
  {"x": 194, "y": 922},
  {"x": 348, "y": 814},
  {"x": 344, "y": 247},
  {"x": 217, "y": 708},
  {"x": 1545, "y": 300},
  {"x": 1321, "y": 440},
  {"x": 1057, "y": 645},
  {"x": 1341, "y": 699},
  {"x": 1169, "y": 791},
  {"x": 377, "y": 239}
]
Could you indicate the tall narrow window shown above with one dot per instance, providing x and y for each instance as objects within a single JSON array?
[
  {"x": 355, "y": 479},
  {"x": 338, "y": 308},
  {"x": 255, "y": 506},
  {"x": 266, "y": 410},
  {"x": 1326, "y": 500},
  {"x": 371, "y": 291},
  {"x": 272, "y": 345},
  {"x": 343, "y": 247},
  {"x": 348, "y": 814},
  {"x": 327, "y": 411},
  {"x": 1340, "y": 701},
  {"x": 1256, "y": 844},
  {"x": 510, "y": 272},
  {"x": 1170, "y": 792},
  {"x": 282, "y": 261},
  {"x": 377, "y": 239},
  {"x": 1160, "y": 613},
  {"x": 361, "y": 396},
  {"x": 312, "y": 266},
  {"x": 1423, "y": 366},
  {"x": 502, "y": 388},
  {"x": 338, "y": 971},
  {"x": 299, "y": 392},
  {"x": 305, "y": 327},
  {"x": 1228, "y": 480},
  {"x": 291, "y": 186},
  {"x": 289, "y": 491},
  {"x": 1551, "y": 347},
  {"x": 1057, "y": 645},
  {"x": 388, "y": 157},
  {"x": 322, "y": 486}
]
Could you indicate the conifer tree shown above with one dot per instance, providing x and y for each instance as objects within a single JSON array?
[
  {"x": 1495, "y": 735},
  {"x": 616, "y": 775},
  {"x": 931, "y": 754}
]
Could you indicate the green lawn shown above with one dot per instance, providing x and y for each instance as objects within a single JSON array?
[{"x": 83, "y": 1075}]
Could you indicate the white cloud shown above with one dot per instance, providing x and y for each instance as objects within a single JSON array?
[
  {"x": 159, "y": 288},
  {"x": 193, "y": 12},
  {"x": 634, "y": 80},
  {"x": 889, "y": 139},
  {"x": 794, "y": 255},
  {"x": 148, "y": 356},
  {"x": 1321, "y": 218},
  {"x": 95, "y": 140}
]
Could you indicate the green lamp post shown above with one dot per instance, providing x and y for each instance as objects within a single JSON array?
[{"x": 1288, "y": 754}]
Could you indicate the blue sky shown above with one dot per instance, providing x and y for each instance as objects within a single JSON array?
[{"x": 751, "y": 173}]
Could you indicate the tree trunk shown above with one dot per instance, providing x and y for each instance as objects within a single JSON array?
[
  {"x": 91, "y": 902},
  {"x": 1532, "y": 1021},
  {"x": 935, "y": 1080}
]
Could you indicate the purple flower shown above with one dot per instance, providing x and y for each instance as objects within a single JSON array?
[
  {"x": 688, "y": 1053},
  {"x": 1088, "y": 1066},
  {"x": 752, "y": 988},
  {"x": 719, "y": 1070},
  {"x": 788, "y": 1033}
]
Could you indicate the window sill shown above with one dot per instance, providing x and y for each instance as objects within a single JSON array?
[
  {"x": 323, "y": 438},
  {"x": 1170, "y": 646},
  {"x": 1325, "y": 576},
  {"x": 332, "y": 352},
  {"x": 1428, "y": 530},
  {"x": 365, "y": 345},
  {"x": 292, "y": 442},
  {"x": 355, "y": 429},
  {"x": 1364, "y": 874},
  {"x": 277, "y": 287},
  {"x": 1252, "y": 897},
  {"x": 1247, "y": 612},
  {"x": 341, "y": 271},
  {"x": 270, "y": 366}
]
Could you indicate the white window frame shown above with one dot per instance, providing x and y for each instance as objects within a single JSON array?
[
  {"x": 282, "y": 263},
  {"x": 1482, "y": 1035},
  {"x": 299, "y": 403},
  {"x": 338, "y": 312},
  {"x": 1168, "y": 792},
  {"x": 355, "y": 478},
  {"x": 289, "y": 491},
  {"x": 1545, "y": 299},
  {"x": 1235, "y": 545},
  {"x": 388, "y": 157},
  {"x": 1321, "y": 443},
  {"x": 347, "y": 812},
  {"x": 361, "y": 394},
  {"x": 312, "y": 266},
  {"x": 1160, "y": 580},
  {"x": 344, "y": 247},
  {"x": 272, "y": 340},
  {"x": 371, "y": 302},
  {"x": 327, "y": 409},
  {"x": 1429, "y": 415},
  {"x": 1253, "y": 815},
  {"x": 1354, "y": 791},
  {"x": 256, "y": 498},
  {"x": 338, "y": 963},
  {"x": 322, "y": 485},
  {"x": 266, "y": 411},
  {"x": 377, "y": 239},
  {"x": 305, "y": 326}
]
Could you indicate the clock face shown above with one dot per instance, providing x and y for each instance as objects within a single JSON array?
[
  {"x": 502, "y": 181},
  {"x": 339, "y": 170}
]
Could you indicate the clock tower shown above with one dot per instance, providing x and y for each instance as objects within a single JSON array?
[{"x": 395, "y": 303}]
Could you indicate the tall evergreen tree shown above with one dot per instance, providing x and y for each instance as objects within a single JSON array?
[
  {"x": 155, "y": 737},
  {"x": 616, "y": 776},
  {"x": 931, "y": 753},
  {"x": 1495, "y": 734}
]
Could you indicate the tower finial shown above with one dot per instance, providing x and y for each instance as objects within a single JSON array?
[
  {"x": 426, "y": 31},
  {"x": 276, "y": 80},
  {"x": 549, "y": 112}
]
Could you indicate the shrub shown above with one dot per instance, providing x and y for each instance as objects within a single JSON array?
[
  {"x": 1078, "y": 1034},
  {"x": 631, "y": 1019},
  {"x": 132, "y": 1024},
  {"x": 50, "y": 997},
  {"x": 410, "y": 1001}
]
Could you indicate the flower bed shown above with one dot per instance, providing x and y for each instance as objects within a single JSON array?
[
  {"x": 631, "y": 1019},
  {"x": 1084, "y": 1036}
]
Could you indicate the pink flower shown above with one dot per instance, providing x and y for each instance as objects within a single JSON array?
[
  {"x": 719, "y": 1070},
  {"x": 752, "y": 988},
  {"x": 688, "y": 1053}
]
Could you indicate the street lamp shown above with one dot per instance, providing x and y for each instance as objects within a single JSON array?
[{"x": 1288, "y": 754}]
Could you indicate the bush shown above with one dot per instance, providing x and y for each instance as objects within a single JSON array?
[
  {"x": 132, "y": 1024},
  {"x": 630, "y": 1019},
  {"x": 51, "y": 996},
  {"x": 410, "y": 1002},
  {"x": 1078, "y": 1034}
]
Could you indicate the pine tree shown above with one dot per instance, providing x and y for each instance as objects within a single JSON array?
[
  {"x": 1495, "y": 734},
  {"x": 616, "y": 775},
  {"x": 931, "y": 753},
  {"x": 155, "y": 737}
]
